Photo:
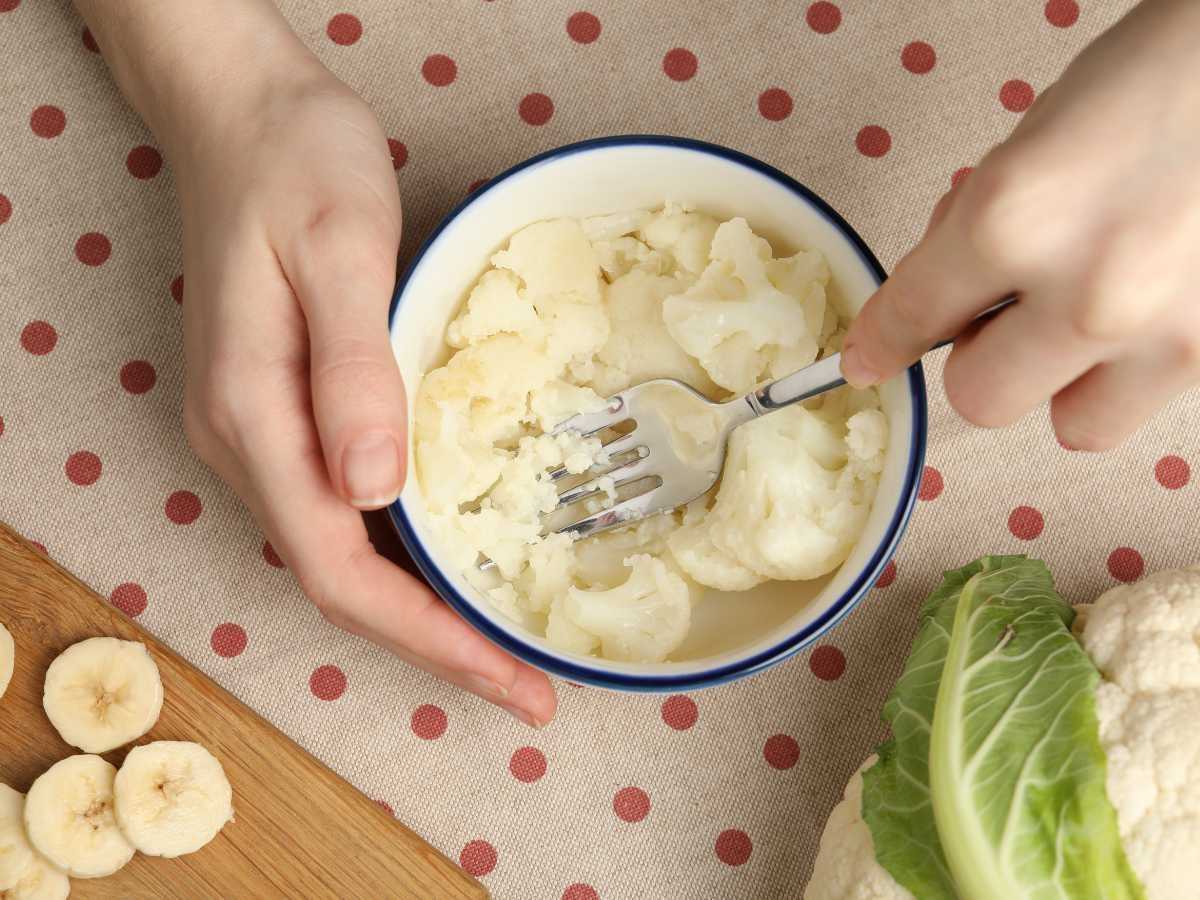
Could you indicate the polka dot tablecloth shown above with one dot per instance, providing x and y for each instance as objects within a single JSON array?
[{"x": 717, "y": 794}]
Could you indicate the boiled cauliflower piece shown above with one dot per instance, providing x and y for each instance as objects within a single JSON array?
[
  {"x": 794, "y": 497},
  {"x": 846, "y": 868},
  {"x": 738, "y": 323},
  {"x": 552, "y": 259},
  {"x": 496, "y": 304},
  {"x": 642, "y": 620},
  {"x": 1145, "y": 640},
  {"x": 682, "y": 235},
  {"x": 639, "y": 346}
]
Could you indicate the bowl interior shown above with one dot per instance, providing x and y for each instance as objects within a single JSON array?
[{"x": 727, "y": 629}]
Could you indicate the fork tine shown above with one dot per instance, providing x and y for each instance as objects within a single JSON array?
[
  {"x": 630, "y": 510},
  {"x": 589, "y": 423},
  {"x": 622, "y": 443},
  {"x": 638, "y": 467}
]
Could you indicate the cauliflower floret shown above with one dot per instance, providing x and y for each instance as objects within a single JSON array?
[
  {"x": 600, "y": 560},
  {"x": 846, "y": 868},
  {"x": 496, "y": 304},
  {"x": 614, "y": 225},
  {"x": 639, "y": 346},
  {"x": 553, "y": 259},
  {"x": 642, "y": 620},
  {"x": 794, "y": 497},
  {"x": 1145, "y": 640},
  {"x": 682, "y": 235},
  {"x": 735, "y": 320}
]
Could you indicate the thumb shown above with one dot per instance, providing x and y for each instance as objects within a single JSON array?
[{"x": 343, "y": 270}]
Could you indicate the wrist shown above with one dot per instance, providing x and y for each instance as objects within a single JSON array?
[{"x": 193, "y": 71}]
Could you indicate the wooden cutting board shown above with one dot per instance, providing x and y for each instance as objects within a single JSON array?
[{"x": 300, "y": 831}]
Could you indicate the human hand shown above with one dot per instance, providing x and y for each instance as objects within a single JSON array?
[
  {"x": 291, "y": 221},
  {"x": 1090, "y": 214}
]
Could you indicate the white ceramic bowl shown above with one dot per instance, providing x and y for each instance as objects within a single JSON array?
[{"x": 731, "y": 636}]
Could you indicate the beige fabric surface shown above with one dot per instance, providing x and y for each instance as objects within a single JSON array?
[{"x": 765, "y": 759}]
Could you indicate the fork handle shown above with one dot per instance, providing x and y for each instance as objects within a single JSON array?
[{"x": 826, "y": 374}]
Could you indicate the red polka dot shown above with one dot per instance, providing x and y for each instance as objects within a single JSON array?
[
  {"x": 536, "y": 109},
  {"x": 183, "y": 507},
  {"x": 775, "y": 104},
  {"x": 631, "y": 804},
  {"x": 9, "y": 5},
  {"x": 1016, "y": 95},
  {"x": 476, "y": 185},
  {"x": 680, "y": 64},
  {"x": 271, "y": 556},
  {"x": 177, "y": 289},
  {"x": 1126, "y": 564},
  {"x": 580, "y": 891},
  {"x": 5, "y": 209},
  {"x": 41, "y": 548},
  {"x": 129, "y": 598},
  {"x": 137, "y": 376},
  {"x": 428, "y": 722},
  {"x": 1062, "y": 13},
  {"x": 386, "y": 807},
  {"x": 48, "y": 121},
  {"x": 873, "y": 141},
  {"x": 918, "y": 57},
  {"x": 680, "y": 712},
  {"x": 958, "y": 176},
  {"x": 39, "y": 338},
  {"x": 89, "y": 41},
  {"x": 887, "y": 576},
  {"x": 93, "y": 249},
  {"x": 583, "y": 27},
  {"x": 931, "y": 484},
  {"x": 83, "y": 468},
  {"x": 1, "y": 426},
  {"x": 528, "y": 764},
  {"x": 823, "y": 18},
  {"x": 228, "y": 640},
  {"x": 1172, "y": 472},
  {"x": 344, "y": 29},
  {"x": 733, "y": 847},
  {"x": 399, "y": 153},
  {"x": 781, "y": 751},
  {"x": 439, "y": 70},
  {"x": 1025, "y": 523},
  {"x": 478, "y": 858},
  {"x": 327, "y": 683},
  {"x": 143, "y": 162},
  {"x": 827, "y": 662}
]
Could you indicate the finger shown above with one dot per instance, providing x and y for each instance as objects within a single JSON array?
[
  {"x": 931, "y": 296},
  {"x": 343, "y": 269},
  {"x": 1015, "y": 362},
  {"x": 1107, "y": 404},
  {"x": 325, "y": 544}
]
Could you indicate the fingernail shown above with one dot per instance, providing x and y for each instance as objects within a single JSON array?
[
  {"x": 855, "y": 369},
  {"x": 525, "y": 717},
  {"x": 485, "y": 687},
  {"x": 371, "y": 469}
]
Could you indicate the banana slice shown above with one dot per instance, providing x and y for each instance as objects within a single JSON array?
[
  {"x": 15, "y": 853},
  {"x": 69, "y": 818},
  {"x": 8, "y": 653},
  {"x": 102, "y": 693},
  {"x": 172, "y": 797}
]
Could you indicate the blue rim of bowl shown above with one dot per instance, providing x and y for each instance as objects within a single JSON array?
[{"x": 581, "y": 672}]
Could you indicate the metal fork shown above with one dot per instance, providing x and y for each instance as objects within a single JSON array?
[{"x": 654, "y": 464}]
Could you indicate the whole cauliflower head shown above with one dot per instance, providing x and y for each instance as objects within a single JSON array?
[{"x": 1145, "y": 640}]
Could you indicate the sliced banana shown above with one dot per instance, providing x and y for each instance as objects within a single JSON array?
[
  {"x": 8, "y": 653},
  {"x": 69, "y": 818},
  {"x": 15, "y": 853},
  {"x": 172, "y": 797},
  {"x": 40, "y": 881},
  {"x": 102, "y": 693}
]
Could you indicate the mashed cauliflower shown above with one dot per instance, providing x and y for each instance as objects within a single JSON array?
[{"x": 574, "y": 311}]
